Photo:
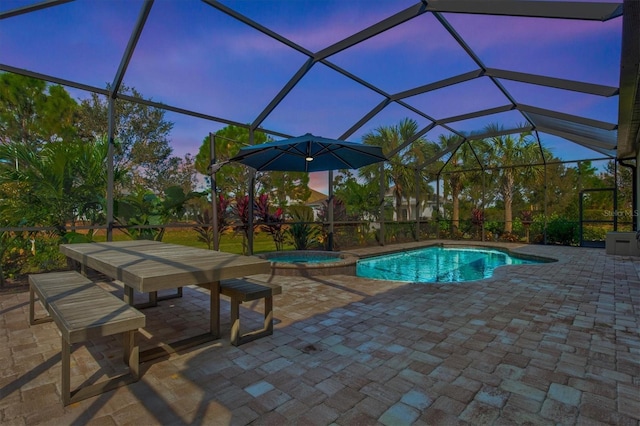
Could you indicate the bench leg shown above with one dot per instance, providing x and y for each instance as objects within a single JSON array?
[
  {"x": 32, "y": 310},
  {"x": 238, "y": 339},
  {"x": 66, "y": 372},
  {"x": 131, "y": 357},
  {"x": 268, "y": 315},
  {"x": 131, "y": 353},
  {"x": 235, "y": 322}
]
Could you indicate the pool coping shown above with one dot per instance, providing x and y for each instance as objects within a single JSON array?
[{"x": 346, "y": 265}]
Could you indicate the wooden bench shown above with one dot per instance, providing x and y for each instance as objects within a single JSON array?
[
  {"x": 82, "y": 310},
  {"x": 245, "y": 290}
]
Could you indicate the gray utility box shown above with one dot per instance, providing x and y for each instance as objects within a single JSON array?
[{"x": 622, "y": 243}]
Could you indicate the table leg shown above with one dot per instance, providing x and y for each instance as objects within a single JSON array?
[
  {"x": 214, "y": 308},
  {"x": 128, "y": 294},
  {"x": 175, "y": 295},
  {"x": 153, "y": 299},
  {"x": 168, "y": 349}
]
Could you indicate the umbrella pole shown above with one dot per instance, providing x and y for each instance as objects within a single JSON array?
[{"x": 330, "y": 236}]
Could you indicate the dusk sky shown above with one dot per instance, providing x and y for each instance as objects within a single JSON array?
[{"x": 192, "y": 56}]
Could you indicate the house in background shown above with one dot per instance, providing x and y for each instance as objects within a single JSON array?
[
  {"x": 316, "y": 201},
  {"x": 407, "y": 208},
  {"x": 428, "y": 207}
]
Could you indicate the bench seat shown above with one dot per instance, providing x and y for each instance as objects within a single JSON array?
[
  {"x": 82, "y": 310},
  {"x": 245, "y": 290}
]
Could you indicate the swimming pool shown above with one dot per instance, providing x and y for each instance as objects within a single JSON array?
[
  {"x": 438, "y": 265},
  {"x": 309, "y": 263}
]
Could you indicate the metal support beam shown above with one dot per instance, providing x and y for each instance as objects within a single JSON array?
[
  {"x": 131, "y": 47},
  {"x": 214, "y": 191},
  {"x": 252, "y": 194},
  {"x": 438, "y": 205},
  {"x": 418, "y": 183},
  {"x": 384, "y": 25},
  {"x": 599, "y": 11},
  {"x": 629, "y": 101},
  {"x": 482, "y": 113},
  {"x": 438, "y": 85},
  {"x": 31, "y": 8},
  {"x": 111, "y": 112},
  {"x": 383, "y": 187},
  {"x": 304, "y": 69},
  {"x": 558, "y": 83},
  {"x": 567, "y": 117}
]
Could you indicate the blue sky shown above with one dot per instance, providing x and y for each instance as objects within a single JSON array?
[{"x": 190, "y": 55}]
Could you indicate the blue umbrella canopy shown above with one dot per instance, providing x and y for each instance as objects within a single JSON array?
[{"x": 309, "y": 153}]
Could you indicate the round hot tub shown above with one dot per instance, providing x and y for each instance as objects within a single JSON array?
[{"x": 307, "y": 263}]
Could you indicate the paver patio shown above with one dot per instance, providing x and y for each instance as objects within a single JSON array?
[{"x": 554, "y": 343}]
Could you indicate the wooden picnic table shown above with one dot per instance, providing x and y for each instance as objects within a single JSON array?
[{"x": 150, "y": 266}]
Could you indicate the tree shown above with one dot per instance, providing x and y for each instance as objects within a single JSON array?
[
  {"x": 286, "y": 187},
  {"x": 621, "y": 177},
  {"x": 362, "y": 199},
  {"x": 33, "y": 113},
  {"x": 396, "y": 170},
  {"x": 141, "y": 208},
  {"x": 142, "y": 148},
  {"x": 56, "y": 185},
  {"x": 233, "y": 178},
  {"x": 418, "y": 153},
  {"x": 505, "y": 151},
  {"x": 461, "y": 158}
]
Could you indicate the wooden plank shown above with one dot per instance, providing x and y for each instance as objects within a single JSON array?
[
  {"x": 153, "y": 266},
  {"x": 51, "y": 286}
]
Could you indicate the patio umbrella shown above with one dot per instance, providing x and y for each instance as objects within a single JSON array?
[{"x": 309, "y": 153}]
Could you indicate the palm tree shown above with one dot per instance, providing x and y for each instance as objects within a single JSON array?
[
  {"x": 396, "y": 171},
  {"x": 60, "y": 183},
  {"x": 505, "y": 151},
  {"x": 419, "y": 152},
  {"x": 458, "y": 160}
]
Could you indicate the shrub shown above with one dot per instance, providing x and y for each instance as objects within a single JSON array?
[
  {"x": 301, "y": 233},
  {"x": 509, "y": 237},
  {"x": 562, "y": 231}
]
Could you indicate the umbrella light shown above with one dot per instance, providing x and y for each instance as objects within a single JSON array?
[{"x": 309, "y": 153}]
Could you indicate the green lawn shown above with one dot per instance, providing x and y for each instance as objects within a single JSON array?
[{"x": 230, "y": 242}]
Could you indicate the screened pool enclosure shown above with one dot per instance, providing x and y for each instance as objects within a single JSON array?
[{"x": 560, "y": 77}]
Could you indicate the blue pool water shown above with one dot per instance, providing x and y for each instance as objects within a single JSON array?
[{"x": 437, "y": 265}]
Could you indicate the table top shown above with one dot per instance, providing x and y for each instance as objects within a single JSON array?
[{"x": 148, "y": 266}]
